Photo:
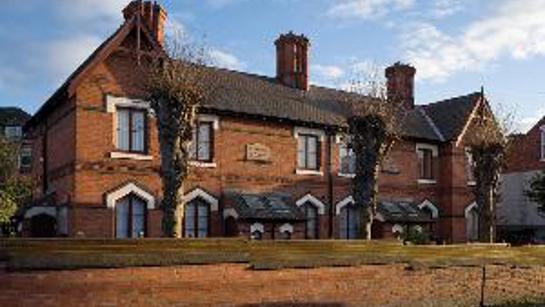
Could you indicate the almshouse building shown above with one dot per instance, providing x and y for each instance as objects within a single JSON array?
[{"x": 268, "y": 159}]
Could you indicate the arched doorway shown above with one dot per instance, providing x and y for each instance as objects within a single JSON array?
[
  {"x": 472, "y": 223},
  {"x": 43, "y": 226}
]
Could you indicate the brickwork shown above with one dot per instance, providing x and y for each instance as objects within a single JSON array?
[{"x": 81, "y": 138}]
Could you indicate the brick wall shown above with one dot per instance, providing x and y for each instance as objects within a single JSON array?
[{"x": 83, "y": 139}]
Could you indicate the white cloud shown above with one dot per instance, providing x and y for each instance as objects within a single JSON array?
[
  {"x": 515, "y": 28},
  {"x": 90, "y": 9},
  {"x": 326, "y": 71},
  {"x": 367, "y": 9},
  {"x": 62, "y": 57},
  {"x": 528, "y": 122},
  {"x": 445, "y": 8},
  {"x": 226, "y": 60}
]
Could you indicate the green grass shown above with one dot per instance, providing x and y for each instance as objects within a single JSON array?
[{"x": 30, "y": 254}]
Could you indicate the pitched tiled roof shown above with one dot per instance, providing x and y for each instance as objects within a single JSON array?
[
  {"x": 402, "y": 212},
  {"x": 451, "y": 115},
  {"x": 268, "y": 206},
  {"x": 13, "y": 116},
  {"x": 263, "y": 96}
]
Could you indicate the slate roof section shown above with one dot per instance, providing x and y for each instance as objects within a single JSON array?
[
  {"x": 269, "y": 206},
  {"x": 451, "y": 115},
  {"x": 263, "y": 96},
  {"x": 402, "y": 212},
  {"x": 13, "y": 116}
]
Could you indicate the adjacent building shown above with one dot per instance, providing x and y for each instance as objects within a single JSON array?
[
  {"x": 268, "y": 157},
  {"x": 518, "y": 218}
]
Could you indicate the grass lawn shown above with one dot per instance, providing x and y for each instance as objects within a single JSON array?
[{"x": 28, "y": 254}]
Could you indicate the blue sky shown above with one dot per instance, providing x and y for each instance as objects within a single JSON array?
[{"x": 455, "y": 45}]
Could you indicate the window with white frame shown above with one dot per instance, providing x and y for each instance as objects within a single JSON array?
[
  {"x": 131, "y": 130},
  {"x": 202, "y": 143},
  {"x": 13, "y": 132},
  {"x": 427, "y": 156},
  {"x": 347, "y": 160},
  {"x": 543, "y": 143},
  {"x": 308, "y": 152}
]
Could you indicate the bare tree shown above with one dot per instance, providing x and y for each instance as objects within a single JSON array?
[
  {"x": 373, "y": 127},
  {"x": 176, "y": 84},
  {"x": 488, "y": 144}
]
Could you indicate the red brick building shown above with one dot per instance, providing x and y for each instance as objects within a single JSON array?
[
  {"x": 268, "y": 158},
  {"x": 518, "y": 218}
]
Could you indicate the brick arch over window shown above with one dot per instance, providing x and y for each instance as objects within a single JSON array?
[
  {"x": 113, "y": 196},
  {"x": 343, "y": 203},
  {"x": 200, "y": 193},
  {"x": 313, "y": 200}
]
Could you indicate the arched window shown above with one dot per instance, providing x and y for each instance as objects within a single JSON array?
[
  {"x": 196, "y": 219},
  {"x": 472, "y": 223},
  {"x": 286, "y": 235},
  {"x": 130, "y": 217},
  {"x": 349, "y": 222},
  {"x": 312, "y": 221},
  {"x": 257, "y": 235}
]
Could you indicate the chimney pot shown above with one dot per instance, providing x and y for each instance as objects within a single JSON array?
[
  {"x": 292, "y": 60},
  {"x": 400, "y": 84},
  {"x": 152, "y": 14}
]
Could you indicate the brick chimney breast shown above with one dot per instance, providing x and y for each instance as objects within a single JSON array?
[
  {"x": 400, "y": 84},
  {"x": 152, "y": 14},
  {"x": 292, "y": 60}
]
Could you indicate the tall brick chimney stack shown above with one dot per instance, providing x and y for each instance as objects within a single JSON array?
[
  {"x": 292, "y": 60},
  {"x": 152, "y": 14},
  {"x": 400, "y": 84}
]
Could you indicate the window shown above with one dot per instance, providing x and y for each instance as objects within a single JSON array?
[
  {"x": 543, "y": 143},
  {"x": 130, "y": 219},
  {"x": 347, "y": 160},
  {"x": 257, "y": 235},
  {"x": 25, "y": 157},
  {"x": 201, "y": 148},
  {"x": 13, "y": 132},
  {"x": 131, "y": 130},
  {"x": 312, "y": 221},
  {"x": 470, "y": 166},
  {"x": 196, "y": 219},
  {"x": 425, "y": 163},
  {"x": 349, "y": 222},
  {"x": 308, "y": 152}
]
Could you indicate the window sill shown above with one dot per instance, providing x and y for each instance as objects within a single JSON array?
[
  {"x": 203, "y": 164},
  {"x": 427, "y": 181},
  {"x": 346, "y": 175},
  {"x": 471, "y": 183},
  {"x": 132, "y": 156},
  {"x": 308, "y": 172}
]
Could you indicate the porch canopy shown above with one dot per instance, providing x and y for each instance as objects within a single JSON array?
[{"x": 266, "y": 206}]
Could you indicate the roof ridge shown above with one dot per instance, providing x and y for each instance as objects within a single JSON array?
[{"x": 435, "y": 103}]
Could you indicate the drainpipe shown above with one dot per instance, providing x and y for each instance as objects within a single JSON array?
[
  {"x": 330, "y": 184},
  {"x": 44, "y": 159}
]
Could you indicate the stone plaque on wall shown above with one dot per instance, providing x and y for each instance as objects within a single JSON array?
[{"x": 258, "y": 152}]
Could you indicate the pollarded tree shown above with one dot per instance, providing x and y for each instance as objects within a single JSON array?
[
  {"x": 373, "y": 127},
  {"x": 536, "y": 191},
  {"x": 176, "y": 85},
  {"x": 488, "y": 145}
]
